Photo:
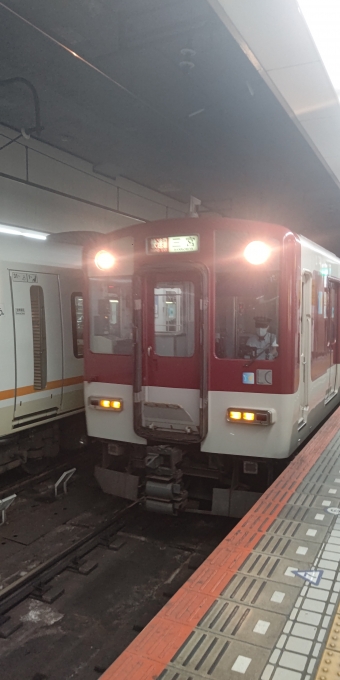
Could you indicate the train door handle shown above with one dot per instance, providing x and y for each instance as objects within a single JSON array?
[{"x": 149, "y": 350}]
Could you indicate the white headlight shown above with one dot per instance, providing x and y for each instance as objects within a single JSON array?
[
  {"x": 257, "y": 252},
  {"x": 104, "y": 260}
]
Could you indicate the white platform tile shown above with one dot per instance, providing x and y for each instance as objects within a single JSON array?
[
  {"x": 275, "y": 655},
  {"x": 304, "y": 631},
  {"x": 333, "y": 547},
  {"x": 267, "y": 673},
  {"x": 334, "y": 598},
  {"x": 314, "y": 605},
  {"x": 281, "y": 641},
  {"x": 325, "y": 621},
  {"x": 302, "y": 550},
  {"x": 317, "y": 594},
  {"x": 296, "y": 662},
  {"x": 327, "y": 564},
  {"x": 310, "y": 618},
  {"x": 316, "y": 649},
  {"x": 330, "y": 609},
  {"x": 319, "y": 517},
  {"x": 290, "y": 571},
  {"x": 337, "y": 481},
  {"x": 288, "y": 627},
  {"x": 277, "y": 596},
  {"x": 296, "y": 644},
  {"x": 327, "y": 580},
  {"x": 281, "y": 674},
  {"x": 311, "y": 532},
  {"x": 261, "y": 627},
  {"x": 241, "y": 664},
  {"x": 326, "y": 504},
  {"x": 330, "y": 555},
  {"x": 321, "y": 635},
  {"x": 311, "y": 665},
  {"x": 332, "y": 491}
]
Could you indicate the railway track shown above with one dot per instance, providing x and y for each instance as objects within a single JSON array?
[
  {"x": 37, "y": 582},
  {"x": 93, "y": 595}
]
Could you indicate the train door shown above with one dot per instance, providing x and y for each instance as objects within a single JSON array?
[
  {"x": 38, "y": 343},
  {"x": 171, "y": 385},
  {"x": 305, "y": 344},
  {"x": 332, "y": 333}
]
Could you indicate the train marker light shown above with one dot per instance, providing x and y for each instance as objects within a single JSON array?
[
  {"x": 106, "y": 404},
  {"x": 104, "y": 260},
  {"x": 235, "y": 415},
  {"x": 256, "y": 417},
  {"x": 117, "y": 405},
  {"x": 257, "y": 252},
  {"x": 247, "y": 415}
]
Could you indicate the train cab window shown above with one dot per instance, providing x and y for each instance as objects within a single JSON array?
[
  {"x": 77, "y": 311},
  {"x": 246, "y": 302},
  {"x": 174, "y": 319},
  {"x": 111, "y": 315}
]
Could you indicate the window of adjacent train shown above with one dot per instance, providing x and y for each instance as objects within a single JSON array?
[
  {"x": 174, "y": 319},
  {"x": 77, "y": 310},
  {"x": 39, "y": 337},
  {"x": 111, "y": 315},
  {"x": 246, "y": 300}
]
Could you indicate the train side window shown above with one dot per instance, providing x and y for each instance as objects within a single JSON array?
[
  {"x": 111, "y": 315},
  {"x": 174, "y": 319},
  {"x": 324, "y": 324},
  {"x": 77, "y": 313},
  {"x": 39, "y": 337}
]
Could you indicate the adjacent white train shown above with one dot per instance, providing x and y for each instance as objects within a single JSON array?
[{"x": 41, "y": 364}]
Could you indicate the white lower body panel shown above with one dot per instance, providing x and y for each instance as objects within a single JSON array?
[{"x": 277, "y": 440}]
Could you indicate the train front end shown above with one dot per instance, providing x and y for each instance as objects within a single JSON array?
[{"x": 188, "y": 382}]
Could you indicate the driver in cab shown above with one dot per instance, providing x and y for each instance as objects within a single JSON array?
[{"x": 262, "y": 343}]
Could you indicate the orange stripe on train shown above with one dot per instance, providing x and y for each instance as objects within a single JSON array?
[{"x": 29, "y": 389}]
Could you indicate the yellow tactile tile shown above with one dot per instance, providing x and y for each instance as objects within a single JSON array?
[{"x": 329, "y": 667}]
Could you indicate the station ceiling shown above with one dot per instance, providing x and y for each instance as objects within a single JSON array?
[{"x": 164, "y": 94}]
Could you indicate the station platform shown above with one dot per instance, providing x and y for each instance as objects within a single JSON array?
[{"x": 265, "y": 605}]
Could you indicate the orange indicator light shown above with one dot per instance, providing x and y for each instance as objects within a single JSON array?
[
  {"x": 248, "y": 416},
  {"x": 116, "y": 405},
  {"x": 235, "y": 415},
  {"x": 104, "y": 403}
]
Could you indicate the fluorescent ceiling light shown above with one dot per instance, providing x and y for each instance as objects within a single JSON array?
[
  {"x": 323, "y": 20},
  {"x": 14, "y": 231}
]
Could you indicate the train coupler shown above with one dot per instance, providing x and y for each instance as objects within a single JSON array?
[{"x": 164, "y": 491}]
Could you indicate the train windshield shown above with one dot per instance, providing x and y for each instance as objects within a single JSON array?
[
  {"x": 111, "y": 315},
  {"x": 246, "y": 302}
]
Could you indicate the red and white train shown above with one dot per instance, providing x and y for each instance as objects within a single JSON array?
[{"x": 210, "y": 355}]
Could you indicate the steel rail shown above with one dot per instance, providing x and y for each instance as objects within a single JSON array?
[{"x": 24, "y": 586}]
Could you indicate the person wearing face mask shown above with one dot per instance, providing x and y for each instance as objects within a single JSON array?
[{"x": 263, "y": 343}]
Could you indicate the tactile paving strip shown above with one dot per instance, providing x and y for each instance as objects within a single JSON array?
[{"x": 246, "y": 612}]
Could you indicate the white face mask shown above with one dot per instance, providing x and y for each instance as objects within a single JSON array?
[{"x": 261, "y": 332}]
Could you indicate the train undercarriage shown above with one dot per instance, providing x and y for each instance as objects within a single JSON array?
[{"x": 171, "y": 479}]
